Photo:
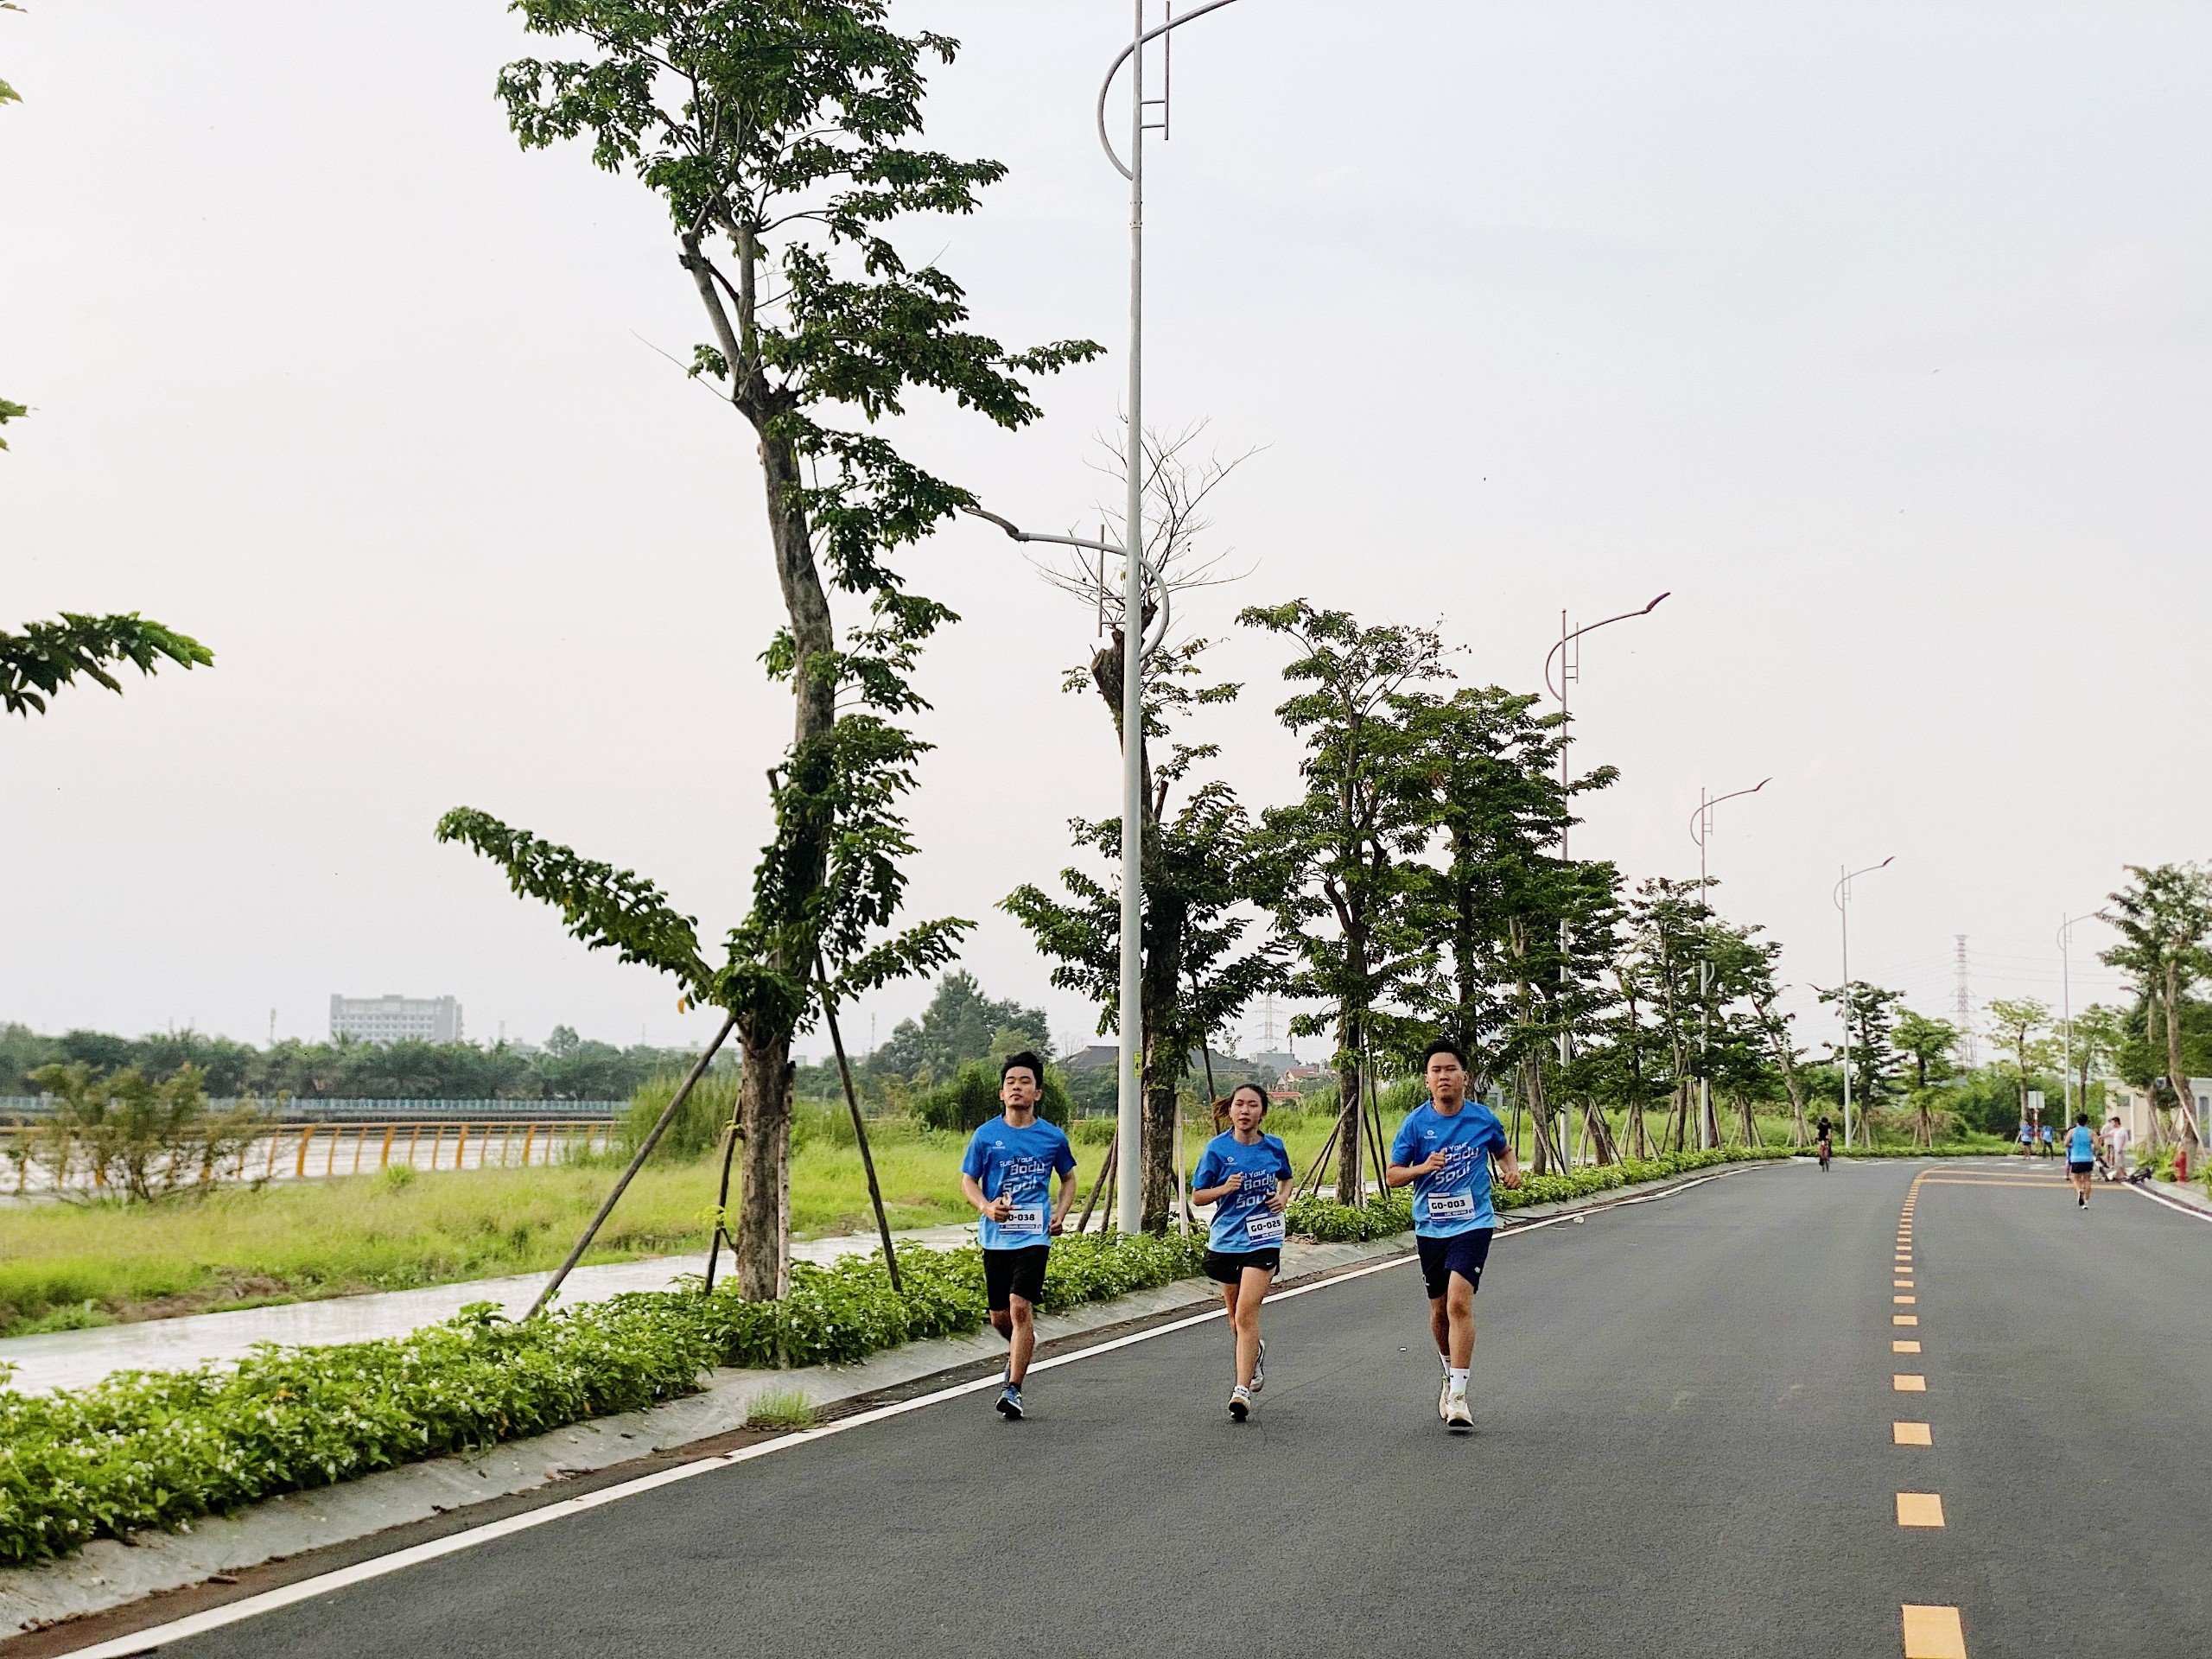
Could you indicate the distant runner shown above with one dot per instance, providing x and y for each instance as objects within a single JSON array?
[
  {"x": 1008, "y": 1175},
  {"x": 1824, "y": 1147},
  {"x": 2048, "y": 1136},
  {"x": 2081, "y": 1158},
  {"x": 1245, "y": 1175},
  {"x": 1443, "y": 1151},
  {"x": 2027, "y": 1138}
]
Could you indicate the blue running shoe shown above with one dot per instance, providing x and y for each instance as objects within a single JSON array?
[{"x": 1009, "y": 1403}]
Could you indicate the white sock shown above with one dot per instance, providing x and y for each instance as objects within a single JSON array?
[{"x": 1458, "y": 1378}]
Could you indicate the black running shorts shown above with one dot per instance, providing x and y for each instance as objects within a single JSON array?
[
  {"x": 2080, "y": 1169},
  {"x": 1227, "y": 1267},
  {"x": 1008, "y": 1274},
  {"x": 1462, "y": 1253}
]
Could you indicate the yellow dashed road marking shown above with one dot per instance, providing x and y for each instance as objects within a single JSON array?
[
  {"x": 1901, "y": 1284},
  {"x": 1933, "y": 1633},
  {"x": 1906, "y": 1383},
  {"x": 1910, "y": 1434},
  {"x": 1905, "y": 1319},
  {"x": 1902, "y": 1347},
  {"x": 1904, "y": 1301},
  {"x": 1920, "y": 1509}
]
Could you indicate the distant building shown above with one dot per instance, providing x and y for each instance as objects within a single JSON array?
[
  {"x": 385, "y": 1020},
  {"x": 1278, "y": 1062},
  {"x": 1103, "y": 1057}
]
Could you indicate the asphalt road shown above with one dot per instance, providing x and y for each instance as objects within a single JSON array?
[{"x": 1685, "y": 1447}]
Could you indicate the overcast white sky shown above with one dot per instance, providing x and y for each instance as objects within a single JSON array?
[{"x": 1878, "y": 334}]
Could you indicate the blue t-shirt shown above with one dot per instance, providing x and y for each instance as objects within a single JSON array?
[
  {"x": 1017, "y": 1165},
  {"x": 1241, "y": 1220},
  {"x": 2081, "y": 1145},
  {"x": 1456, "y": 1200},
  {"x": 2027, "y": 1135}
]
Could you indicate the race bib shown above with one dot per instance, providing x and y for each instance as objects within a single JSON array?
[
  {"x": 1263, "y": 1227},
  {"x": 1451, "y": 1206},
  {"x": 1024, "y": 1218}
]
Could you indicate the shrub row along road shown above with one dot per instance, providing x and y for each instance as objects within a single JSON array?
[{"x": 1686, "y": 1444}]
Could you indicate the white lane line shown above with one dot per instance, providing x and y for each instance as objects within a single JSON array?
[
  {"x": 2189, "y": 1209},
  {"x": 235, "y": 1613}
]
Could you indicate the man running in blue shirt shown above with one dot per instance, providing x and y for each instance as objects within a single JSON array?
[
  {"x": 1443, "y": 1150},
  {"x": 1007, "y": 1176}
]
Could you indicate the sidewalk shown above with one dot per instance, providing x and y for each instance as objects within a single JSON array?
[{"x": 71, "y": 1360}]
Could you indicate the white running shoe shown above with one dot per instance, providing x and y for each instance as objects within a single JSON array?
[
  {"x": 1260, "y": 1368},
  {"x": 1456, "y": 1417},
  {"x": 1240, "y": 1403},
  {"x": 1444, "y": 1401}
]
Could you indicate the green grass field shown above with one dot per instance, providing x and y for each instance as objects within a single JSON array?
[{"x": 65, "y": 1266}]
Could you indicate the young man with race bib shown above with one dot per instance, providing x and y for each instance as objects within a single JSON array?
[
  {"x": 1245, "y": 1174},
  {"x": 1443, "y": 1150},
  {"x": 1008, "y": 1175}
]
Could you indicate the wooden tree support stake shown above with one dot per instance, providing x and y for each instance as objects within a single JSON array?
[{"x": 645, "y": 1151}]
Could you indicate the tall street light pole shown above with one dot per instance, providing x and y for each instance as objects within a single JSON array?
[
  {"x": 1140, "y": 635},
  {"x": 1569, "y": 657},
  {"x": 2066, "y": 1011},
  {"x": 1842, "y": 896},
  {"x": 1708, "y": 1131}
]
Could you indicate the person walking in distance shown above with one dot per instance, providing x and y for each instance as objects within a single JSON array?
[
  {"x": 1443, "y": 1151},
  {"x": 1245, "y": 1174},
  {"x": 2117, "y": 1141},
  {"x": 1007, "y": 1174},
  {"x": 2081, "y": 1158}
]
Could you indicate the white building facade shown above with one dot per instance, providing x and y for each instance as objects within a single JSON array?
[{"x": 386, "y": 1019}]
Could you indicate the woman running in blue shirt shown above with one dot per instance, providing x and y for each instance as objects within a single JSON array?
[
  {"x": 1245, "y": 1174},
  {"x": 2081, "y": 1158}
]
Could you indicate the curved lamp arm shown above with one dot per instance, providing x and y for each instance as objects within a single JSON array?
[
  {"x": 1697, "y": 828},
  {"x": 1591, "y": 627},
  {"x": 1107, "y": 85},
  {"x": 1845, "y": 881}
]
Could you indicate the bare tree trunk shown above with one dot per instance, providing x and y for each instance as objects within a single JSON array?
[
  {"x": 764, "y": 1112},
  {"x": 1540, "y": 1117},
  {"x": 2177, "y": 1071},
  {"x": 1350, "y": 1178}
]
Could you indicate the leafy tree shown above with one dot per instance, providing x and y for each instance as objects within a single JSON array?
[
  {"x": 1202, "y": 884},
  {"x": 1869, "y": 1015},
  {"x": 961, "y": 1024},
  {"x": 2098, "y": 1032},
  {"x": 1498, "y": 893},
  {"x": 777, "y": 132},
  {"x": 124, "y": 1136},
  {"x": 2162, "y": 917},
  {"x": 1773, "y": 1026},
  {"x": 47, "y": 656},
  {"x": 2019, "y": 1023},
  {"x": 1928, "y": 1044},
  {"x": 1347, "y": 889},
  {"x": 1668, "y": 921}
]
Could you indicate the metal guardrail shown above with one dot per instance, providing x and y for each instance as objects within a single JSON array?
[
  {"x": 317, "y": 1151},
  {"x": 314, "y": 1109}
]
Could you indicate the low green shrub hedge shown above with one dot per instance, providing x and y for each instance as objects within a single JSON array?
[{"x": 144, "y": 1449}]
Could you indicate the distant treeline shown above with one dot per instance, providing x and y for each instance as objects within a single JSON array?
[{"x": 568, "y": 1068}]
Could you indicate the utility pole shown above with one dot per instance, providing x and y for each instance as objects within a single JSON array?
[
  {"x": 1962, "y": 1005},
  {"x": 1708, "y": 1127},
  {"x": 1136, "y": 644},
  {"x": 1570, "y": 669},
  {"x": 2066, "y": 1012},
  {"x": 1842, "y": 896}
]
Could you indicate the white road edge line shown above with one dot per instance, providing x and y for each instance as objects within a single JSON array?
[
  {"x": 2189, "y": 1209},
  {"x": 215, "y": 1618}
]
